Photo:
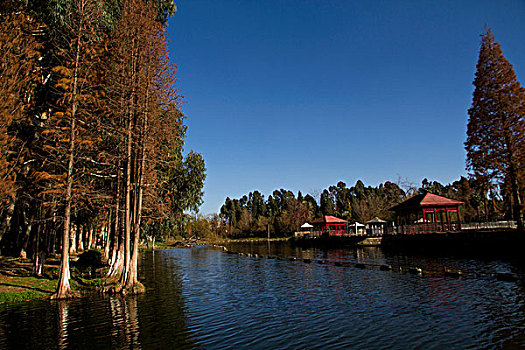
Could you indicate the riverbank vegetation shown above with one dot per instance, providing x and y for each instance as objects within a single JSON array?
[
  {"x": 91, "y": 133},
  {"x": 283, "y": 212}
]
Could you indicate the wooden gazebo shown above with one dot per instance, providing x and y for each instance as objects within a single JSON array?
[
  {"x": 330, "y": 225},
  {"x": 376, "y": 227},
  {"x": 426, "y": 213}
]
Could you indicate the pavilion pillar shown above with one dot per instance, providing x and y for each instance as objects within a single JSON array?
[{"x": 459, "y": 217}]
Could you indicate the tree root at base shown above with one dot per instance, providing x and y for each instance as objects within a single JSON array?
[
  {"x": 69, "y": 294},
  {"x": 112, "y": 289}
]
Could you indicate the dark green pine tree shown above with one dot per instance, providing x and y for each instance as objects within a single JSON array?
[{"x": 495, "y": 132}]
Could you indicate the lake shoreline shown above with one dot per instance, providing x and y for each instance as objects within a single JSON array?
[
  {"x": 17, "y": 284},
  {"x": 486, "y": 243}
]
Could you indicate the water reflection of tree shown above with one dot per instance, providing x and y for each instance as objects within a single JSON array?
[
  {"x": 163, "y": 322},
  {"x": 151, "y": 321},
  {"x": 125, "y": 323},
  {"x": 63, "y": 321},
  {"x": 23, "y": 328}
]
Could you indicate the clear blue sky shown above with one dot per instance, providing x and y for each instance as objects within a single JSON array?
[{"x": 300, "y": 94}]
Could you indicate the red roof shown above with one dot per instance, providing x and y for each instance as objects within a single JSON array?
[
  {"x": 427, "y": 200},
  {"x": 328, "y": 219},
  {"x": 434, "y": 199}
]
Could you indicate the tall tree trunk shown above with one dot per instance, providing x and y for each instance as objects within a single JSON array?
[
  {"x": 63, "y": 288},
  {"x": 107, "y": 236},
  {"x": 90, "y": 235},
  {"x": 116, "y": 227},
  {"x": 129, "y": 159},
  {"x": 38, "y": 254},
  {"x": 85, "y": 238},
  {"x": 80, "y": 238},
  {"x": 5, "y": 225},
  {"x": 516, "y": 199},
  {"x": 117, "y": 260},
  {"x": 25, "y": 238},
  {"x": 513, "y": 175},
  {"x": 116, "y": 267},
  {"x": 133, "y": 284},
  {"x": 73, "y": 239},
  {"x": 11, "y": 239},
  {"x": 127, "y": 207}
]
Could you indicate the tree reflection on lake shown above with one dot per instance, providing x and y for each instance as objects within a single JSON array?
[{"x": 206, "y": 298}]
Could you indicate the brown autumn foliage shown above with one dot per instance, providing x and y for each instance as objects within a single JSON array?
[
  {"x": 90, "y": 121},
  {"x": 19, "y": 54},
  {"x": 142, "y": 101}
]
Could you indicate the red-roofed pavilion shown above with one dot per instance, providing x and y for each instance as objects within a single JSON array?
[
  {"x": 427, "y": 213},
  {"x": 330, "y": 225}
]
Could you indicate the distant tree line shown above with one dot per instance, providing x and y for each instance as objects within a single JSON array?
[
  {"x": 283, "y": 212},
  {"x": 91, "y": 133}
]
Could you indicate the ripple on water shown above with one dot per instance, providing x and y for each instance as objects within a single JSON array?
[
  {"x": 205, "y": 298},
  {"x": 296, "y": 305}
]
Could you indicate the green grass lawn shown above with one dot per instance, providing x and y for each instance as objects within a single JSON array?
[{"x": 17, "y": 284}]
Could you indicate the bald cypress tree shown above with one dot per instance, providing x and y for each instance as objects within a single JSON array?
[
  {"x": 495, "y": 132},
  {"x": 19, "y": 56}
]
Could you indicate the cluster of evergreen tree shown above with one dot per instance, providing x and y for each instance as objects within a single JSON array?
[
  {"x": 91, "y": 134},
  {"x": 495, "y": 142},
  {"x": 283, "y": 212}
]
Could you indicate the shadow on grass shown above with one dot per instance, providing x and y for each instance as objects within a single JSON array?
[{"x": 26, "y": 287}]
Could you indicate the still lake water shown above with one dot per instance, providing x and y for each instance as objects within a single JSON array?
[{"x": 205, "y": 298}]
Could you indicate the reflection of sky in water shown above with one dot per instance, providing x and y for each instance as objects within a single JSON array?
[
  {"x": 205, "y": 298},
  {"x": 366, "y": 307}
]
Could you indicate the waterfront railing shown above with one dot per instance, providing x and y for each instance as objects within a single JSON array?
[
  {"x": 426, "y": 227},
  {"x": 417, "y": 228},
  {"x": 494, "y": 225}
]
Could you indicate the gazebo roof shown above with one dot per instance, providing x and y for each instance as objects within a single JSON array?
[
  {"x": 328, "y": 219},
  {"x": 376, "y": 220},
  {"x": 426, "y": 200},
  {"x": 306, "y": 225}
]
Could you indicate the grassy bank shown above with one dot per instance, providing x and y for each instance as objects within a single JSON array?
[
  {"x": 16, "y": 289},
  {"x": 17, "y": 283}
]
